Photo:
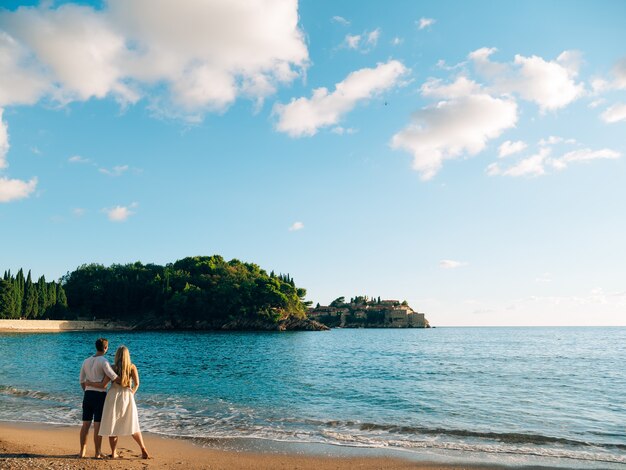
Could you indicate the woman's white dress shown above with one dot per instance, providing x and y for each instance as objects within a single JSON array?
[{"x": 119, "y": 416}]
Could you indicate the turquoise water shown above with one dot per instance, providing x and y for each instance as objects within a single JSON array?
[{"x": 519, "y": 395}]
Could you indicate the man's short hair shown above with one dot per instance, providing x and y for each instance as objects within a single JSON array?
[{"x": 102, "y": 344}]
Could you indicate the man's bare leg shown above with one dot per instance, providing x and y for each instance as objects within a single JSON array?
[
  {"x": 84, "y": 432},
  {"x": 139, "y": 440},
  {"x": 113, "y": 444},
  {"x": 97, "y": 440}
]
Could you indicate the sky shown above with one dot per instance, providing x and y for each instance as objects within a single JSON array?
[{"x": 465, "y": 156}]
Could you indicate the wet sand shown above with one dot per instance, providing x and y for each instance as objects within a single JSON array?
[{"x": 26, "y": 446}]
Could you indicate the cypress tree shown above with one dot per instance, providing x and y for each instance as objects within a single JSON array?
[
  {"x": 17, "y": 302},
  {"x": 7, "y": 300},
  {"x": 30, "y": 300},
  {"x": 61, "y": 297},
  {"x": 27, "y": 306},
  {"x": 20, "y": 291},
  {"x": 42, "y": 294},
  {"x": 51, "y": 298}
]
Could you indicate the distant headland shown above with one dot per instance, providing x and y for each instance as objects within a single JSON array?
[{"x": 194, "y": 293}]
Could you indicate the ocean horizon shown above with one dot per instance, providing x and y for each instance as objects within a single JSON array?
[{"x": 516, "y": 395}]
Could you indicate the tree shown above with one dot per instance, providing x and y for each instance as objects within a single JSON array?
[
  {"x": 29, "y": 304},
  {"x": 7, "y": 299},
  {"x": 202, "y": 289},
  {"x": 60, "y": 308},
  {"x": 19, "y": 297},
  {"x": 42, "y": 293},
  {"x": 51, "y": 296}
]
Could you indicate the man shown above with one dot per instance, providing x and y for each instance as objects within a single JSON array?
[{"x": 93, "y": 370}]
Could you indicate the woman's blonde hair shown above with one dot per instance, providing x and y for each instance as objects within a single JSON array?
[{"x": 123, "y": 365}]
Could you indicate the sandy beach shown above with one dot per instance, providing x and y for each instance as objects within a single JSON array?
[{"x": 25, "y": 446}]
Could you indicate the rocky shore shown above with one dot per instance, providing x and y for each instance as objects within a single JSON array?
[{"x": 290, "y": 323}]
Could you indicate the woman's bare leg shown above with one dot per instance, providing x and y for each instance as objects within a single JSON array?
[
  {"x": 113, "y": 444},
  {"x": 139, "y": 440}
]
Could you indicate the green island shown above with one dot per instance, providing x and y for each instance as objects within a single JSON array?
[{"x": 200, "y": 292}]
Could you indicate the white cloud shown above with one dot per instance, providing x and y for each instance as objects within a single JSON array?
[
  {"x": 529, "y": 166},
  {"x": 461, "y": 124},
  {"x": 535, "y": 165},
  {"x": 425, "y": 22},
  {"x": 352, "y": 41},
  {"x": 441, "y": 64},
  {"x": 554, "y": 140},
  {"x": 461, "y": 87},
  {"x": 21, "y": 81},
  {"x": 4, "y": 141},
  {"x": 619, "y": 71},
  {"x": 13, "y": 189},
  {"x": 584, "y": 155},
  {"x": 372, "y": 37},
  {"x": 120, "y": 213},
  {"x": 545, "y": 278},
  {"x": 343, "y": 130},
  {"x": 305, "y": 116},
  {"x": 614, "y": 113},
  {"x": 570, "y": 308},
  {"x": 115, "y": 171},
  {"x": 341, "y": 20},
  {"x": 296, "y": 226},
  {"x": 600, "y": 85},
  {"x": 510, "y": 148},
  {"x": 78, "y": 159},
  {"x": 451, "y": 264},
  {"x": 597, "y": 103},
  {"x": 78, "y": 46},
  {"x": 362, "y": 42},
  {"x": 549, "y": 84},
  {"x": 78, "y": 211},
  {"x": 617, "y": 80},
  {"x": 397, "y": 41},
  {"x": 207, "y": 54}
]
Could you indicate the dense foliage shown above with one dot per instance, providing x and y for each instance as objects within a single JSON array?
[
  {"x": 201, "y": 289},
  {"x": 22, "y": 298}
]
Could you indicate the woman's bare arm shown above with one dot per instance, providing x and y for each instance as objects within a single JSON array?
[
  {"x": 102, "y": 384},
  {"x": 134, "y": 374}
]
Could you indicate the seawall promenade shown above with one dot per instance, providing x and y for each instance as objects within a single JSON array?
[{"x": 59, "y": 325}]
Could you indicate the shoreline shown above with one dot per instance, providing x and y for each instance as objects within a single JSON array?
[
  {"x": 38, "y": 445},
  {"x": 51, "y": 326}
]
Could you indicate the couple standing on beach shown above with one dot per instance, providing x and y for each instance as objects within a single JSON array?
[{"x": 114, "y": 413}]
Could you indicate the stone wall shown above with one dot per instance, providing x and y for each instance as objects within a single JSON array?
[{"x": 59, "y": 325}]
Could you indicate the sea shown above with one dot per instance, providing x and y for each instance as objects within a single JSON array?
[{"x": 516, "y": 396}]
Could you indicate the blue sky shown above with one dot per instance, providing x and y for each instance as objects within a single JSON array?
[{"x": 465, "y": 156}]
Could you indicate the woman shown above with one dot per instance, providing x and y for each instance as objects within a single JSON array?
[{"x": 119, "y": 416}]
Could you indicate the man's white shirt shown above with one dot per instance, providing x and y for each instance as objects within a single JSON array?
[{"x": 94, "y": 369}]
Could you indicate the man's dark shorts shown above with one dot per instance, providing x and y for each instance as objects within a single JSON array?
[{"x": 93, "y": 403}]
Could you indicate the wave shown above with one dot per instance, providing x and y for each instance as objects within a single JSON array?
[
  {"x": 587, "y": 455},
  {"x": 35, "y": 394},
  {"x": 509, "y": 438},
  {"x": 223, "y": 420}
]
